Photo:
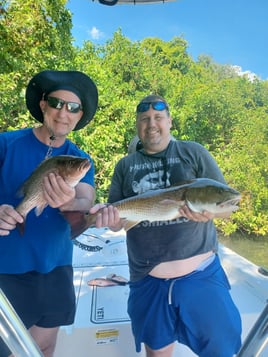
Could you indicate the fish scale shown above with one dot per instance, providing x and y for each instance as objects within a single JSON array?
[{"x": 154, "y": 210}]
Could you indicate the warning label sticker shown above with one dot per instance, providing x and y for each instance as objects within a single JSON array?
[{"x": 107, "y": 336}]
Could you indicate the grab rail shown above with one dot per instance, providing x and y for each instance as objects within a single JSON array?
[
  {"x": 257, "y": 338},
  {"x": 14, "y": 333}
]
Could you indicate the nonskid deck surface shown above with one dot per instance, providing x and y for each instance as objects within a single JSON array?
[{"x": 102, "y": 325}]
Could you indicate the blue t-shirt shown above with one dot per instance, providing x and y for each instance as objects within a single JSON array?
[{"x": 46, "y": 241}]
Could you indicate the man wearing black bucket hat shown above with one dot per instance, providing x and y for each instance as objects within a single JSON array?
[{"x": 36, "y": 268}]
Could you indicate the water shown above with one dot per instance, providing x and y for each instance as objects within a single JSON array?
[{"x": 252, "y": 248}]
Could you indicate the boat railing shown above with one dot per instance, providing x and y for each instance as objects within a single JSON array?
[
  {"x": 257, "y": 338},
  {"x": 14, "y": 333}
]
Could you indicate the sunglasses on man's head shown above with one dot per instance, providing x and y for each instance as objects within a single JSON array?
[
  {"x": 144, "y": 106},
  {"x": 57, "y": 103}
]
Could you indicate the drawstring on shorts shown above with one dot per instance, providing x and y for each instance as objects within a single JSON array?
[{"x": 201, "y": 267}]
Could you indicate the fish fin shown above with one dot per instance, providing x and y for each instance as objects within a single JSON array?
[
  {"x": 21, "y": 227},
  {"x": 21, "y": 191},
  {"x": 182, "y": 183},
  {"x": 79, "y": 221},
  {"x": 39, "y": 209},
  {"x": 127, "y": 225}
]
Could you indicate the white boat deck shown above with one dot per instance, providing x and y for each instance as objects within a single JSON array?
[{"x": 102, "y": 326}]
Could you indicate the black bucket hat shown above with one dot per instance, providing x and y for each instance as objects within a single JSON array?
[{"x": 49, "y": 81}]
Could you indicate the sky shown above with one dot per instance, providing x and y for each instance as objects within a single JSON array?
[{"x": 232, "y": 32}]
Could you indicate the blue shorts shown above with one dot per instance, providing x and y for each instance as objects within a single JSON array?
[
  {"x": 44, "y": 300},
  {"x": 196, "y": 310}
]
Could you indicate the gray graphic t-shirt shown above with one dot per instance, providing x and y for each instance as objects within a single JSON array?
[{"x": 152, "y": 243}]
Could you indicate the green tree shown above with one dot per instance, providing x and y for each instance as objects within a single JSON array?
[
  {"x": 244, "y": 161},
  {"x": 210, "y": 103},
  {"x": 34, "y": 35}
]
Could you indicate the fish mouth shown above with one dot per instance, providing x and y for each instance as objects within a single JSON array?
[{"x": 232, "y": 202}]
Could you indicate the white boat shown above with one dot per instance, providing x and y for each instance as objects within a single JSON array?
[{"x": 102, "y": 326}]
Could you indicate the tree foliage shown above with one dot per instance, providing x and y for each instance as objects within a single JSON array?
[
  {"x": 210, "y": 103},
  {"x": 34, "y": 35}
]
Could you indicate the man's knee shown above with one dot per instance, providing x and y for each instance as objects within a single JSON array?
[{"x": 46, "y": 338}]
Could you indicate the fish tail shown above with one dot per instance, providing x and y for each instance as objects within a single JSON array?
[{"x": 79, "y": 221}]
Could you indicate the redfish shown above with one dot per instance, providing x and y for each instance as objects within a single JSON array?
[{"x": 199, "y": 195}]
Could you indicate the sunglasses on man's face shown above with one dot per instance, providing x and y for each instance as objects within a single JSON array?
[
  {"x": 57, "y": 103},
  {"x": 143, "y": 107}
]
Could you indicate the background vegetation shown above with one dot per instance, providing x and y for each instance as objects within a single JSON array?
[{"x": 210, "y": 103}]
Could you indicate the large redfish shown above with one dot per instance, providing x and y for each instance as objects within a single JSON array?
[
  {"x": 71, "y": 168},
  {"x": 163, "y": 204}
]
